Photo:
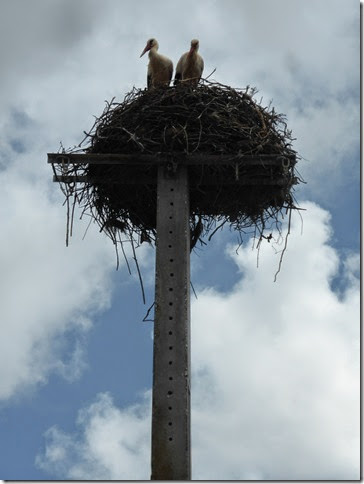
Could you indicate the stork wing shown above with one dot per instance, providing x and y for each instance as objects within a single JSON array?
[
  {"x": 201, "y": 65},
  {"x": 149, "y": 81},
  {"x": 170, "y": 71},
  {"x": 179, "y": 70}
]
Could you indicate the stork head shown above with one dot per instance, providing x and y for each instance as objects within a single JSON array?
[
  {"x": 152, "y": 43},
  {"x": 194, "y": 45}
]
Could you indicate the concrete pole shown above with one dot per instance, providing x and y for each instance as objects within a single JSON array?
[{"x": 171, "y": 453}]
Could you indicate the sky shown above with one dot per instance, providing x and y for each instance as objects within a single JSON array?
[{"x": 275, "y": 365}]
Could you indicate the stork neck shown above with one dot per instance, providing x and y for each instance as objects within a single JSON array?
[{"x": 153, "y": 52}]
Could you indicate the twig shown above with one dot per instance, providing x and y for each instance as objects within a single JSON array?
[
  {"x": 138, "y": 270},
  {"x": 146, "y": 316},
  {"x": 193, "y": 289},
  {"x": 210, "y": 74},
  {"x": 285, "y": 246},
  {"x": 126, "y": 259},
  {"x": 217, "y": 228}
]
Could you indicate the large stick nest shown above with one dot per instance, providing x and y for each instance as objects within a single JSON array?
[{"x": 176, "y": 123}]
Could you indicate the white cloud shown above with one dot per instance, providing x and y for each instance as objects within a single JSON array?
[
  {"x": 111, "y": 443},
  {"x": 254, "y": 413},
  {"x": 282, "y": 365},
  {"x": 48, "y": 292},
  {"x": 275, "y": 377},
  {"x": 306, "y": 61}
]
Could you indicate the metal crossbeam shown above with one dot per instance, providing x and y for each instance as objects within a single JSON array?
[
  {"x": 207, "y": 180},
  {"x": 190, "y": 159}
]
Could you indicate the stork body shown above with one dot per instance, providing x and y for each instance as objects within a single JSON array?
[
  {"x": 160, "y": 68},
  {"x": 190, "y": 66}
]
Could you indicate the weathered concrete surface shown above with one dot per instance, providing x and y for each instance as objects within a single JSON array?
[{"x": 171, "y": 454}]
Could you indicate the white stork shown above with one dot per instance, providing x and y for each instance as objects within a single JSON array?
[
  {"x": 160, "y": 68},
  {"x": 190, "y": 65}
]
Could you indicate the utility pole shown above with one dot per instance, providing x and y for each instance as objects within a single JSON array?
[
  {"x": 171, "y": 426},
  {"x": 171, "y": 446}
]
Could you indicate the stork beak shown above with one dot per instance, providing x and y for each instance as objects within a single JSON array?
[
  {"x": 146, "y": 48},
  {"x": 192, "y": 49}
]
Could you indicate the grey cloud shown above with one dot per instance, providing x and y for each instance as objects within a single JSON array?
[
  {"x": 59, "y": 22},
  {"x": 35, "y": 36}
]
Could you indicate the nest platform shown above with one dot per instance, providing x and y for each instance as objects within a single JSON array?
[{"x": 241, "y": 164}]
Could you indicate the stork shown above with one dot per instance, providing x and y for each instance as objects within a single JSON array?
[
  {"x": 160, "y": 68},
  {"x": 190, "y": 65}
]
